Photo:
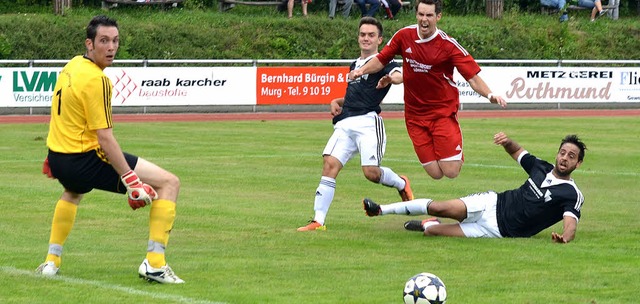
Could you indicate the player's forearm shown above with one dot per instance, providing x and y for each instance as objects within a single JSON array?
[
  {"x": 396, "y": 77},
  {"x": 372, "y": 66},
  {"x": 478, "y": 85},
  {"x": 112, "y": 151},
  {"x": 338, "y": 101},
  {"x": 512, "y": 148},
  {"x": 570, "y": 226}
]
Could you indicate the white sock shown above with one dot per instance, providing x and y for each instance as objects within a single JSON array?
[
  {"x": 324, "y": 196},
  {"x": 414, "y": 207},
  {"x": 391, "y": 179},
  {"x": 429, "y": 224}
]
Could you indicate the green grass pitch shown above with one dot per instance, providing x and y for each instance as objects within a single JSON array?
[{"x": 248, "y": 185}]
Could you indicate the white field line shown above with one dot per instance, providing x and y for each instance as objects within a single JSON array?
[{"x": 103, "y": 285}]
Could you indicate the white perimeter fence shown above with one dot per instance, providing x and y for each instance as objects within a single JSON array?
[{"x": 186, "y": 85}]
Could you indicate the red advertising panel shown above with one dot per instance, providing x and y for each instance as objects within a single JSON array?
[{"x": 300, "y": 85}]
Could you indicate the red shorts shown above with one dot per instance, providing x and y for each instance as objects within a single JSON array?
[{"x": 437, "y": 139}]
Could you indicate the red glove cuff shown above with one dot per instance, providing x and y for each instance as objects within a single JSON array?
[
  {"x": 46, "y": 170},
  {"x": 130, "y": 178}
]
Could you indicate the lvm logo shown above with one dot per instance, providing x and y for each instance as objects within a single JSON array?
[
  {"x": 34, "y": 81},
  {"x": 34, "y": 86}
]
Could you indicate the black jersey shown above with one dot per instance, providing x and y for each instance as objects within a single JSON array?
[
  {"x": 362, "y": 96},
  {"x": 542, "y": 201}
]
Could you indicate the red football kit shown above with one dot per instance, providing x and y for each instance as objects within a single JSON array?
[
  {"x": 427, "y": 66},
  {"x": 430, "y": 92}
]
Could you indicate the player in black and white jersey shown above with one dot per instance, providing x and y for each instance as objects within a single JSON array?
[
  {"x": 548, "y": 196},
  {"x": 359, "y": 128}
]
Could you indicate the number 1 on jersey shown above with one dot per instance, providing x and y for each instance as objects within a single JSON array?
[{"x": 59, "y": 95}]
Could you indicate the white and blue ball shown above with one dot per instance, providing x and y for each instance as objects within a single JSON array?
[{"x": 424, "y": 288}]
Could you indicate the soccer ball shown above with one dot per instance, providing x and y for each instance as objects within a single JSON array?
[{"x": 425, "y": 288}]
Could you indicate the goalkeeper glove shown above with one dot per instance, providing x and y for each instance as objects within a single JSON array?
[
  {"x": 139, "y": 193},
  {"x": 46, "y": 170}
]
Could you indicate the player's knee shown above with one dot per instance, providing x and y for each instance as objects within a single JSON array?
[
  {"x": 173, "y": 181},
  {"x": 437, "y": 209},
  {"x": 435, "y": 174},
  {"x": 372, "y": 176},
  {"x": 451, "y": 173},
  {"x": 452, "y": 170},
  {"x": 372, "y": 173},
  {"x": 331, "y": 166},
  {"x": 71, "y": 197},
  {"x": 170, "y": 187},
  {"x": 433, "y": 171}
]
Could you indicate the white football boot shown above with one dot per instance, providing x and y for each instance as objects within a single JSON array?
[
  {"x": 163, "y": 274},
  {"x": 47, "y": 268}
]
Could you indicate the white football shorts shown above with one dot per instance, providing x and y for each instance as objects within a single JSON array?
[
  {"x": 481, "y": 218},
  {"x": 364, "y": 134}
]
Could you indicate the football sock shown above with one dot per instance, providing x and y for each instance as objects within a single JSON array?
[
  {"x": 161, "y": 218},
  {"x": 429, "y": 224},
  {"x": 324, "y": 196},
  {"x": 391, "y": 179},
  {"x": 414, "y": 207},
  {"x": 156, "y": 259},
  {"x": 64, "y": 217},
  {"x": 55, "y": 254}
]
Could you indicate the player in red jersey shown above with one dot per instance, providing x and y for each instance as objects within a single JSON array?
[{"x": 431, "y": 98}]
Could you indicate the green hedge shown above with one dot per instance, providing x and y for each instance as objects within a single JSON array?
[
  {"x": 457, "y": 7},
  {"x": 263, "y": 33}
]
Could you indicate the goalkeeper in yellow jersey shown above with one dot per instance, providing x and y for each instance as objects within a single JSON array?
[{"x": 84, "y": 155}]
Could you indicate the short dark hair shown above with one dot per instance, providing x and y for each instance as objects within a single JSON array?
[
  {"x": 92, "y": 28},
  {"x": 573, "y": 139},
  {"x": 373, "y": 21},
  {"x": 437, "y": 3}
]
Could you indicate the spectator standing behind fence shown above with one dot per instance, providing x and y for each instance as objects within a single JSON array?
[
  {"x": 595, "y": 6},
  {"x": 559, "y": 5},
  {"x": 373, "y": 7},
  {"x": 304, "y": 8},
  {"x": 391, "y": 7},
  {"x": 346, "y": 8}
]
